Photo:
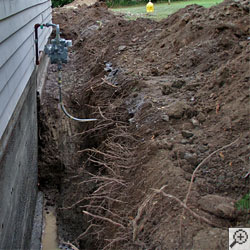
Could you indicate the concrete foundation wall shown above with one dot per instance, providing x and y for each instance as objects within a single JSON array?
[{"x": 18, "y": 172}]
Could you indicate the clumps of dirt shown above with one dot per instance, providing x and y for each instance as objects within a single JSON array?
[{"x": 172, "y": 135}]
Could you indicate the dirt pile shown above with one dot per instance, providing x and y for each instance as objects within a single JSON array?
[{"x": 167, "y": 95}]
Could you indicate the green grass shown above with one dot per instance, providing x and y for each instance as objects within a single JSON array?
[
  {"x": 244, "y": 203},
  {"x": 161, "y": 10}
]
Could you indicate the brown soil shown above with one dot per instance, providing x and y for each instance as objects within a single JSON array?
[{"x": 177, "y": 91}]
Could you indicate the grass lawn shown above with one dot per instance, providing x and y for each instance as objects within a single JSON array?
[{"x": 161, "y": 10}]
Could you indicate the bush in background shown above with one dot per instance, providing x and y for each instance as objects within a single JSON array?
[{"x": 60, "y": 3}]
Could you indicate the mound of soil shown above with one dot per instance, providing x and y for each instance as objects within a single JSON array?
[{"x": 168, "y": 157}]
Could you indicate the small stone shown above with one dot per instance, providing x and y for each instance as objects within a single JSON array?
[
  {"x": 211, "y": 17},
  {"x": 191, "y": 158},
  {"x": 195, "y": 122},
  {"x": 186, "y": 126},
  {"x": 219, "y": 206},
  {"x": 184, "y": 141},
  {"x": 186, "y": 17},
  {"x": 202, "y": 148},
  {"x": 201, "y": 117},
  {"x": 122, "y": 47},
  {"x": 188, "y": 169},
  {"x": 169, "y": 145},
  {"x": 155, "y": 71},
  {"x": 187, "y": 176},
  {"x": 177, "y": 109},
  {"x": 186, "y": 133},
  {"x": 166, "y": 90},
  {"x": 165, "y": 118},
  {"x": 167, "y": 66},
  {"x": 187, "y": 155},
  {"x": 178, "y": 84}
]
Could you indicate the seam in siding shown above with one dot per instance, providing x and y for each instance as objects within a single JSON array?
[
  {"x": 18, "y": 67},
  {"x": 32, "y": 32},
  {"x": 40, "y": 13},
  {"x": 20, "y": 78},
  {"x": 13, "y": 94},
  {"x": 44, "y": 36},
  {"x": 32, "y": 6},
  {"x": 28, "y": 51}
]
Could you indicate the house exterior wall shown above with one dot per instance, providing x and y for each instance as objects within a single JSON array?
[
  {"x": 19, "y": 77},
  {"x": 17, "y": 50},
  {"x": 18, "y": 174}
]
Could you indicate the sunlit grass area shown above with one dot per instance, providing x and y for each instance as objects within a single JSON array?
[{"x": 161, "y": 10}]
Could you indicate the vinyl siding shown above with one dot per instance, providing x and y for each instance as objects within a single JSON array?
[{"x": 17, "y": 49}]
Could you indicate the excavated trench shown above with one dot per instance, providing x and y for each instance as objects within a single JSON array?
[
  {"x": 56, "y": 179},
  {"x": 66, "y": 174}
]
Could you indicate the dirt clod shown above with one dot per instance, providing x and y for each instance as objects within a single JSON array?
[{"x": 219, "y": 206}]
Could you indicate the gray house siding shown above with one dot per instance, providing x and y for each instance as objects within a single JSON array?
[
  {"x": 19, "y": 77},
  {"x": 17, "y": 60}
]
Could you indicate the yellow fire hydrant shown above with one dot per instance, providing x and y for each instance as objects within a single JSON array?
[{"x": 150, "y": 7}]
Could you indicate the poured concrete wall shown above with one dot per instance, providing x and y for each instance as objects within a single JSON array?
[
  {"x": 18, "y": 169},
  {"x": 18, "y": 172}
]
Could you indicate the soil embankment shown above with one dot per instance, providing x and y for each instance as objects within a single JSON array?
[{"x": 166, "y": 95}]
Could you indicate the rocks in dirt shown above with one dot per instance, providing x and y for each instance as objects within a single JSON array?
[
  {"x": 178, "y": 84},
  {"x": 186, "y": 134},
  {"x": 189, "y": 169},
  {"x": 222, "y": 76},
  {"x": 202, "y": 148},
  {"x": 201, "y": 117},
  {"x": 166, "y": 90},
  {"x": 189, "y": 157},
  {"x": 186, "y": 17},
  {"x": 212, "y": 238},
  {"x": 135, "y": 103},
  {"x": 211, "y": 17},
  {"x": 184, "y": 141},
  {"x": 165, "y": 118},
  {"x": 187, "y": 176},
  {"x": 112, "y": 72},
  {"x": 195, "y": 122},
  {"x": 177, "y": 109},
  {"x": 186, "y": 126},
  {"x": 164, "y": 144},
  {"x": 122, "y": 47},
  {"x": 167, "y": 66},
  {"x": 108, "y": 66},
  {"x": 155, "y": 71},
  {"x": 219, "y": 206}
]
